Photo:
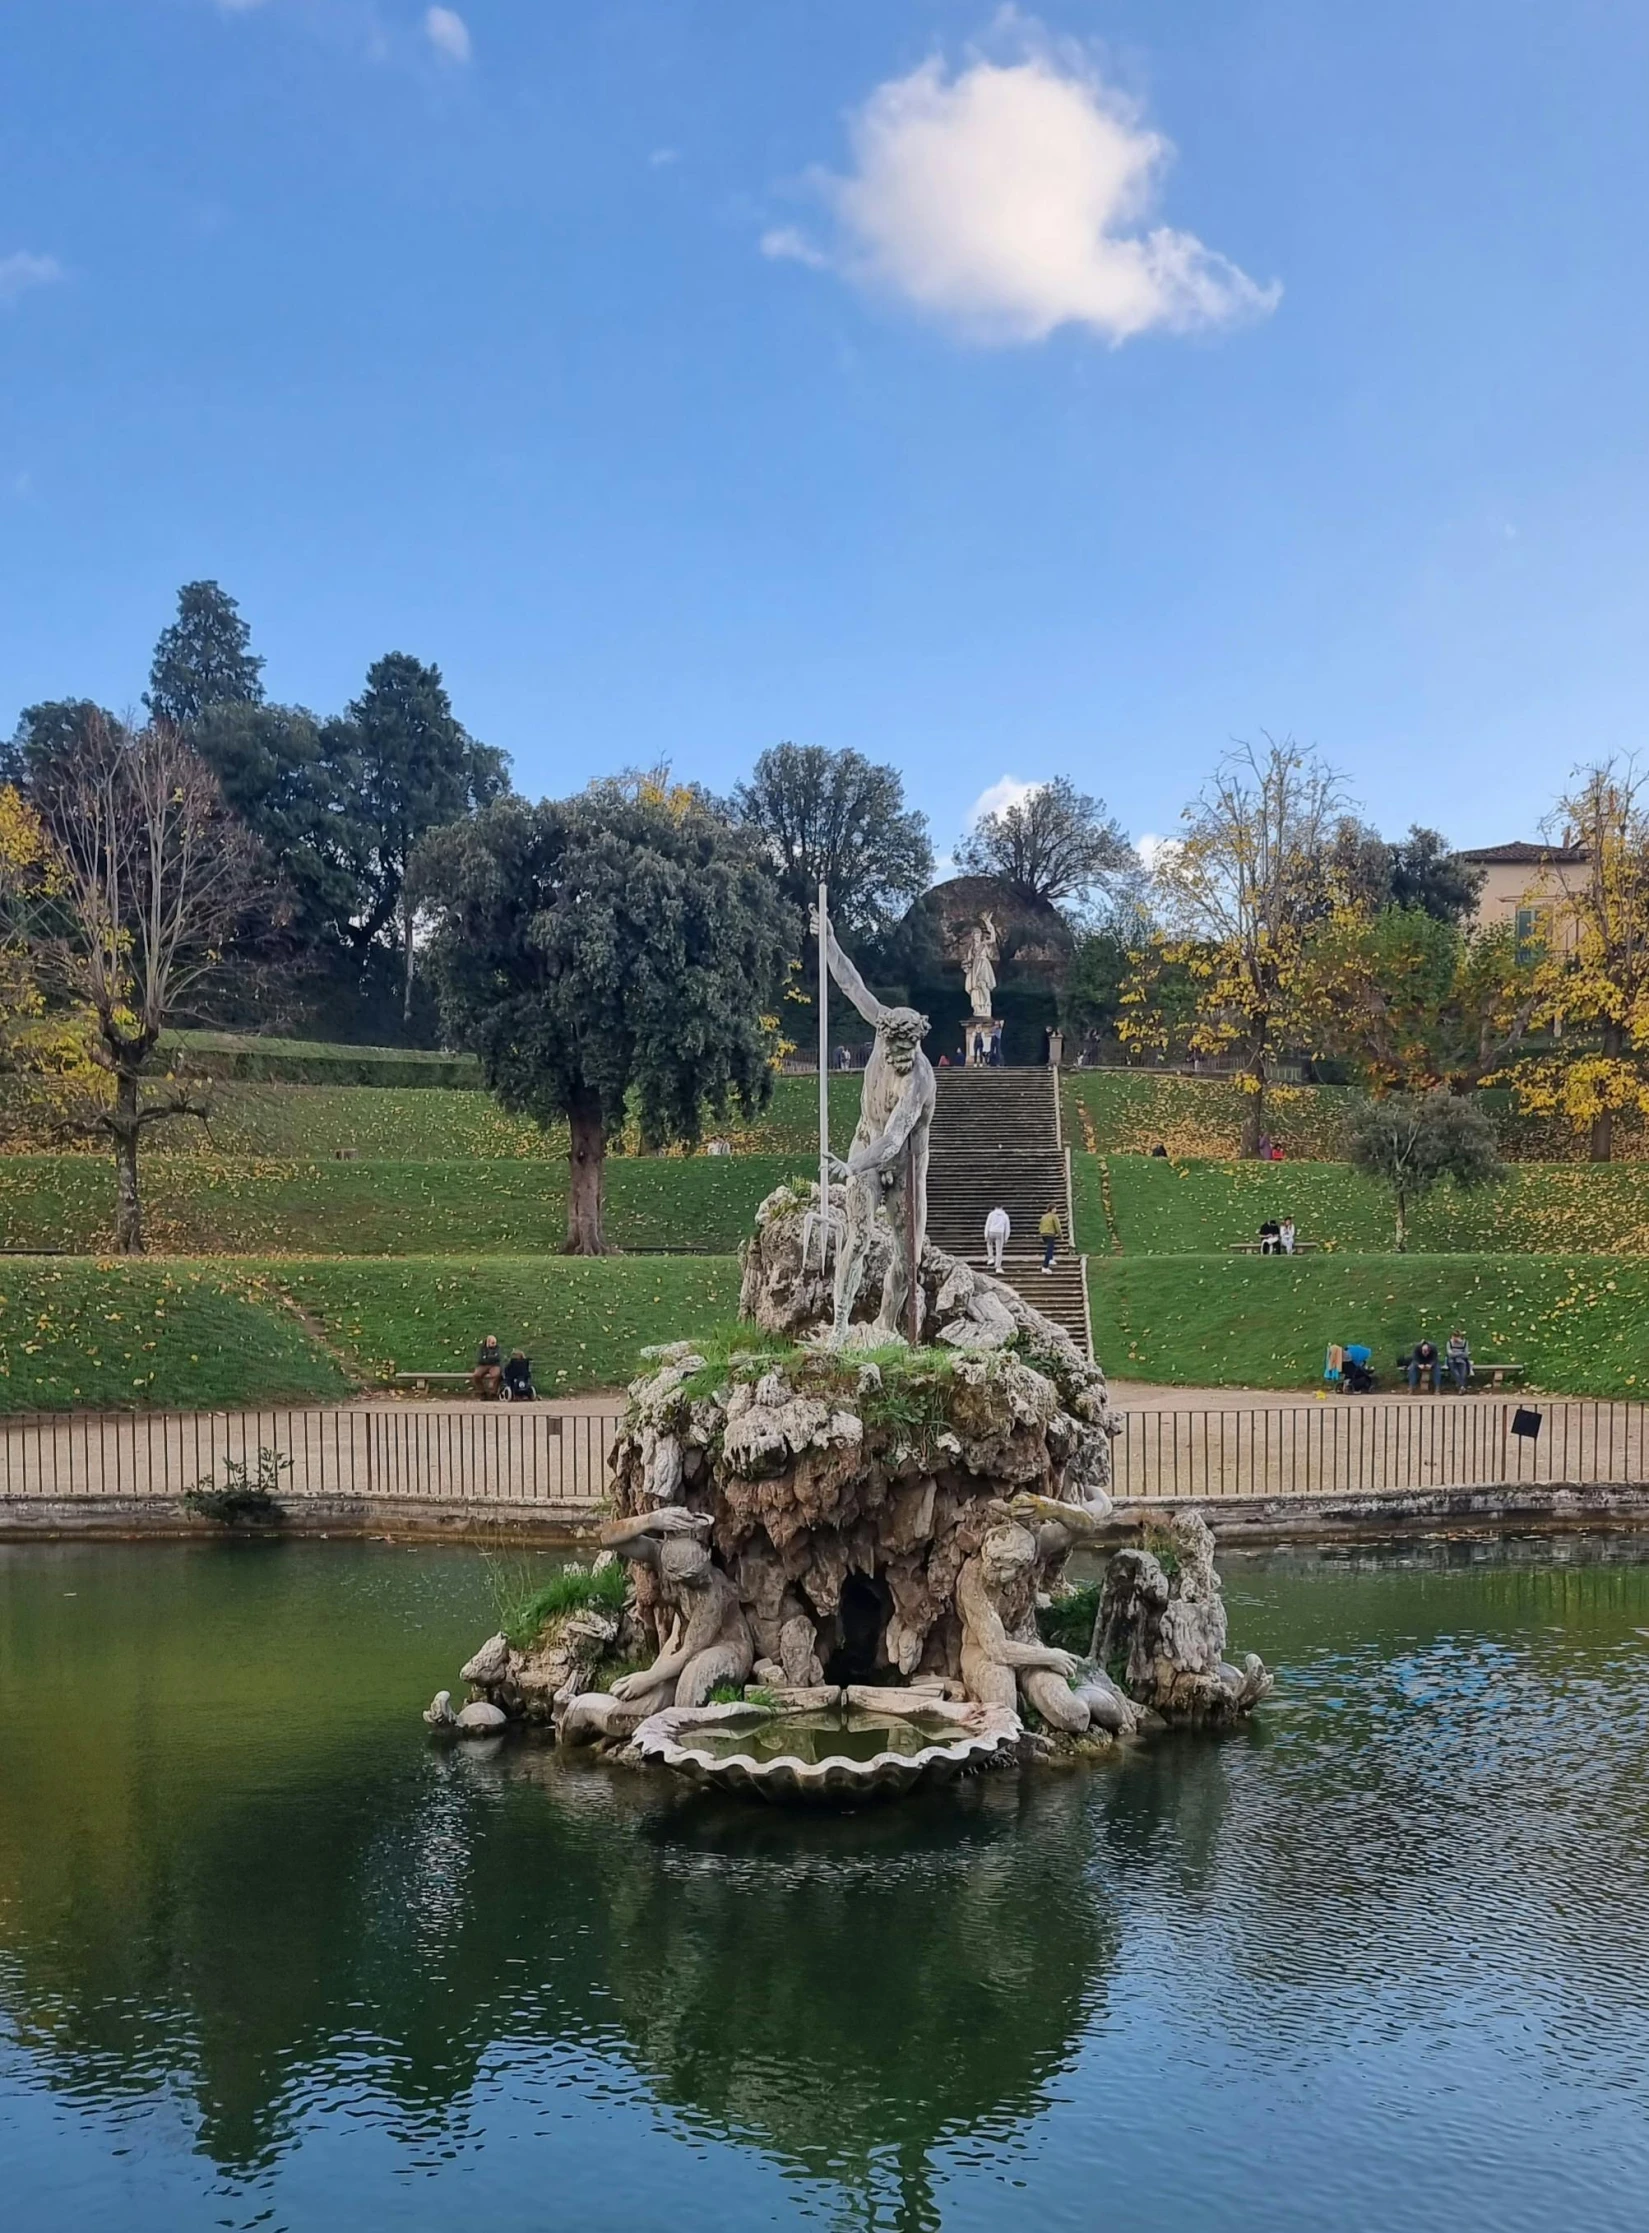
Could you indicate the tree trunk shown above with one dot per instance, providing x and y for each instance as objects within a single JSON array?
[
  {"x": 586, "y": 1161},
  {"x": 1253, "y": 1115},
  {"x": 1602, "y": 1143},
  {"x": 124, "y": 1127},
  {"x": 1402, "y": 1223},
  {"x": 406, "y": 944}
]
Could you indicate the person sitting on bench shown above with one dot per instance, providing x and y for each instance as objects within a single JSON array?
[
  {"x": 518, "y": 1387},
  {"x": 488, "y": 1376},
  {"x": 1458, "y": 1357},
  {"x": 1421, "y": 1359}
]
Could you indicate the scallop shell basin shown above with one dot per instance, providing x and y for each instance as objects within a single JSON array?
[{"x": 968, "y": 1737}]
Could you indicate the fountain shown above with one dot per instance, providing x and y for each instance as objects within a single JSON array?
[{"x": 847, "y": 1549}]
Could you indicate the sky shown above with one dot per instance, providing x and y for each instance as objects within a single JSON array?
[{"x": 1002, "y": 394}]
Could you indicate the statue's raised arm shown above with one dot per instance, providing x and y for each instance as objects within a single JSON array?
[{"x": 847, "y": 976}]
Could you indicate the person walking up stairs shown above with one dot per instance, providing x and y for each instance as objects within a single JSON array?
[{"x": 995, "y": 1145}]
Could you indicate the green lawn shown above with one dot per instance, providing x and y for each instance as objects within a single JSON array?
[
  {"x": 169, "y": 1334},
  {"x": 192, "y": 1337},
  {"x": 1580, "y": 1323},
  {"x": 581, "y": 1321},
  {"x": 435, "y": 1124},
  {"x": 1164, "y": 1208},
  {"x": 260, "y": 1207}
]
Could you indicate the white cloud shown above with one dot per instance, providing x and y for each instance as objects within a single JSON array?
[
  {"x": 662, "y": 157},
  {"x": 1012, "y": 198},
  {"x": 21, "y": 271},
  {"x": 784, "y": 242},
  {"x": 1153, "y": 851},
  {"x": 448, "y": 33},
  {"x": 1006, "y": 791}
]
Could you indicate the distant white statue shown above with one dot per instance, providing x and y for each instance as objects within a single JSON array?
[{"x": 979, "y": 952}]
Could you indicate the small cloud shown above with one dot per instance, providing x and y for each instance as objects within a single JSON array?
[
  {"x": 662, "y": 157},
  {"x": 1006, "y": 791},
  {"x": 1153, "y": 851},
  {"x": 21, "y": 271},
  {"x": 239, "y": 7},
  {"x": 785, "y": 244},
  {"x": 1010, "y": 199},
  {"x": 448, "y": 34}
]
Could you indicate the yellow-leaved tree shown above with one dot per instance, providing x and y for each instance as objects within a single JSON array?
[
  {"x": 1592, "y": 972},
  {"x": 1241, "y": 892}
]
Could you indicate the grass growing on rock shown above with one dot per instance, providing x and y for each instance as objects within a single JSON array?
[{"x": 526, "y": 1608}]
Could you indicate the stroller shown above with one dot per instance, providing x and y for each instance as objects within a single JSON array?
[
  {"x": 518, "y": 1387},
  {"x": 1349, "y": 1367}
]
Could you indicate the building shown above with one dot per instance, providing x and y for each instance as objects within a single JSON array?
[{"x": 1523, "y": 884}]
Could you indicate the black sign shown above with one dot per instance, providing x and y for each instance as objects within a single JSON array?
[{"x": 1526, "y": 1422}]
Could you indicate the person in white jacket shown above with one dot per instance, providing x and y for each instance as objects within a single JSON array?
[{"x": 997, "y": 1229}]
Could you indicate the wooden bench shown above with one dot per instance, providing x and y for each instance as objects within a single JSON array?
[
  {"x": 1257, "y": 1248},
  {"x": 1497, "y": 1376},
  {"x": 428, "y": 1380}
]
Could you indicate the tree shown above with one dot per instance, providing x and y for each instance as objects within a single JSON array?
[
  {"x": 1055, "y": 844},
  {"x": 1412, "y": 1142},
  {"x": 1413, "y": 1002},
  {"x": 1593, "y": 970},
  {"x": 144, "y": 887},
  {"x": 1242, "y": 890},
  {"x": 204, "y": 658},
  {"x": 46, "y": 735},
  {"x": 1102, "y": 962},
  {"x": 610, "y": 946},
  {"x": 1370, "y": 873},
  {"x": 836, "y": 818},
  {"x": 418, "y": 768},
  {"x": 297, "y": 784},
  {"x": 1425, "y": 874}
]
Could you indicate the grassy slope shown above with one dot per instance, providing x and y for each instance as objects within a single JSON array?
[
  {"x": 1174, "y": 1209},
  {"x": 175, "y": 1336},
  {"x": 441, "y": 1124},
  {"x": 1581, "y": 1324},
  {"x": 252, "y": 1208},
  {"x": 189, "y": 1336},
  {"x": 581, "y": 1322}
]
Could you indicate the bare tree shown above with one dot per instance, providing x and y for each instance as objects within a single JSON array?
[{"x": 148, "y": 880}]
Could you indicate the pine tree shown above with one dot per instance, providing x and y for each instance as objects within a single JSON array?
[{"x": 204, "y": 658}]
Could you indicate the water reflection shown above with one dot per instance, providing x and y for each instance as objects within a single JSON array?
[{"x": 255, "y": 1931}]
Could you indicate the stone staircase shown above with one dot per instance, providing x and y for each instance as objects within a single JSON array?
[{"x": 996, "y": 1140}]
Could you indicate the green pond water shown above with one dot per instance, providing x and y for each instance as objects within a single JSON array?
[
  {"x": 269, "y": 1958},
  {"x": 814, "y": 1737}
]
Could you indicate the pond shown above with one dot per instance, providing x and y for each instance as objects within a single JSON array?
[{"x": 270, "y": 1958}]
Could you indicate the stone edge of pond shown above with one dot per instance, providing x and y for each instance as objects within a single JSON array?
[{"x": 1346, "y": 1515}]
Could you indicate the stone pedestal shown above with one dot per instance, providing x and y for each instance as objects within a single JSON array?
[{"x": 981, "y": 1028}]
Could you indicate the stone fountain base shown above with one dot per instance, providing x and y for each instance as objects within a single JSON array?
[{"x": 795, "y": 1745}]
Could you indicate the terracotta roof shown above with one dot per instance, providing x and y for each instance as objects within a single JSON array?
[{"x": 1521, "y": 855}]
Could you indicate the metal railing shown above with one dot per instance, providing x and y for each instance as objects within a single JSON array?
[
  {"x": 515, "y": 1456},
  {"x": 1361, "y": 1446},
  {"x": 492, "y": 1454}
]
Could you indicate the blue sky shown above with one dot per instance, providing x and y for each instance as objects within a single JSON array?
[{"x": 1003, "y": 394}]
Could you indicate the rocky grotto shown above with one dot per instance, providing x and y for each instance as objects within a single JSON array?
[{"x": 868, "y": 1546}]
